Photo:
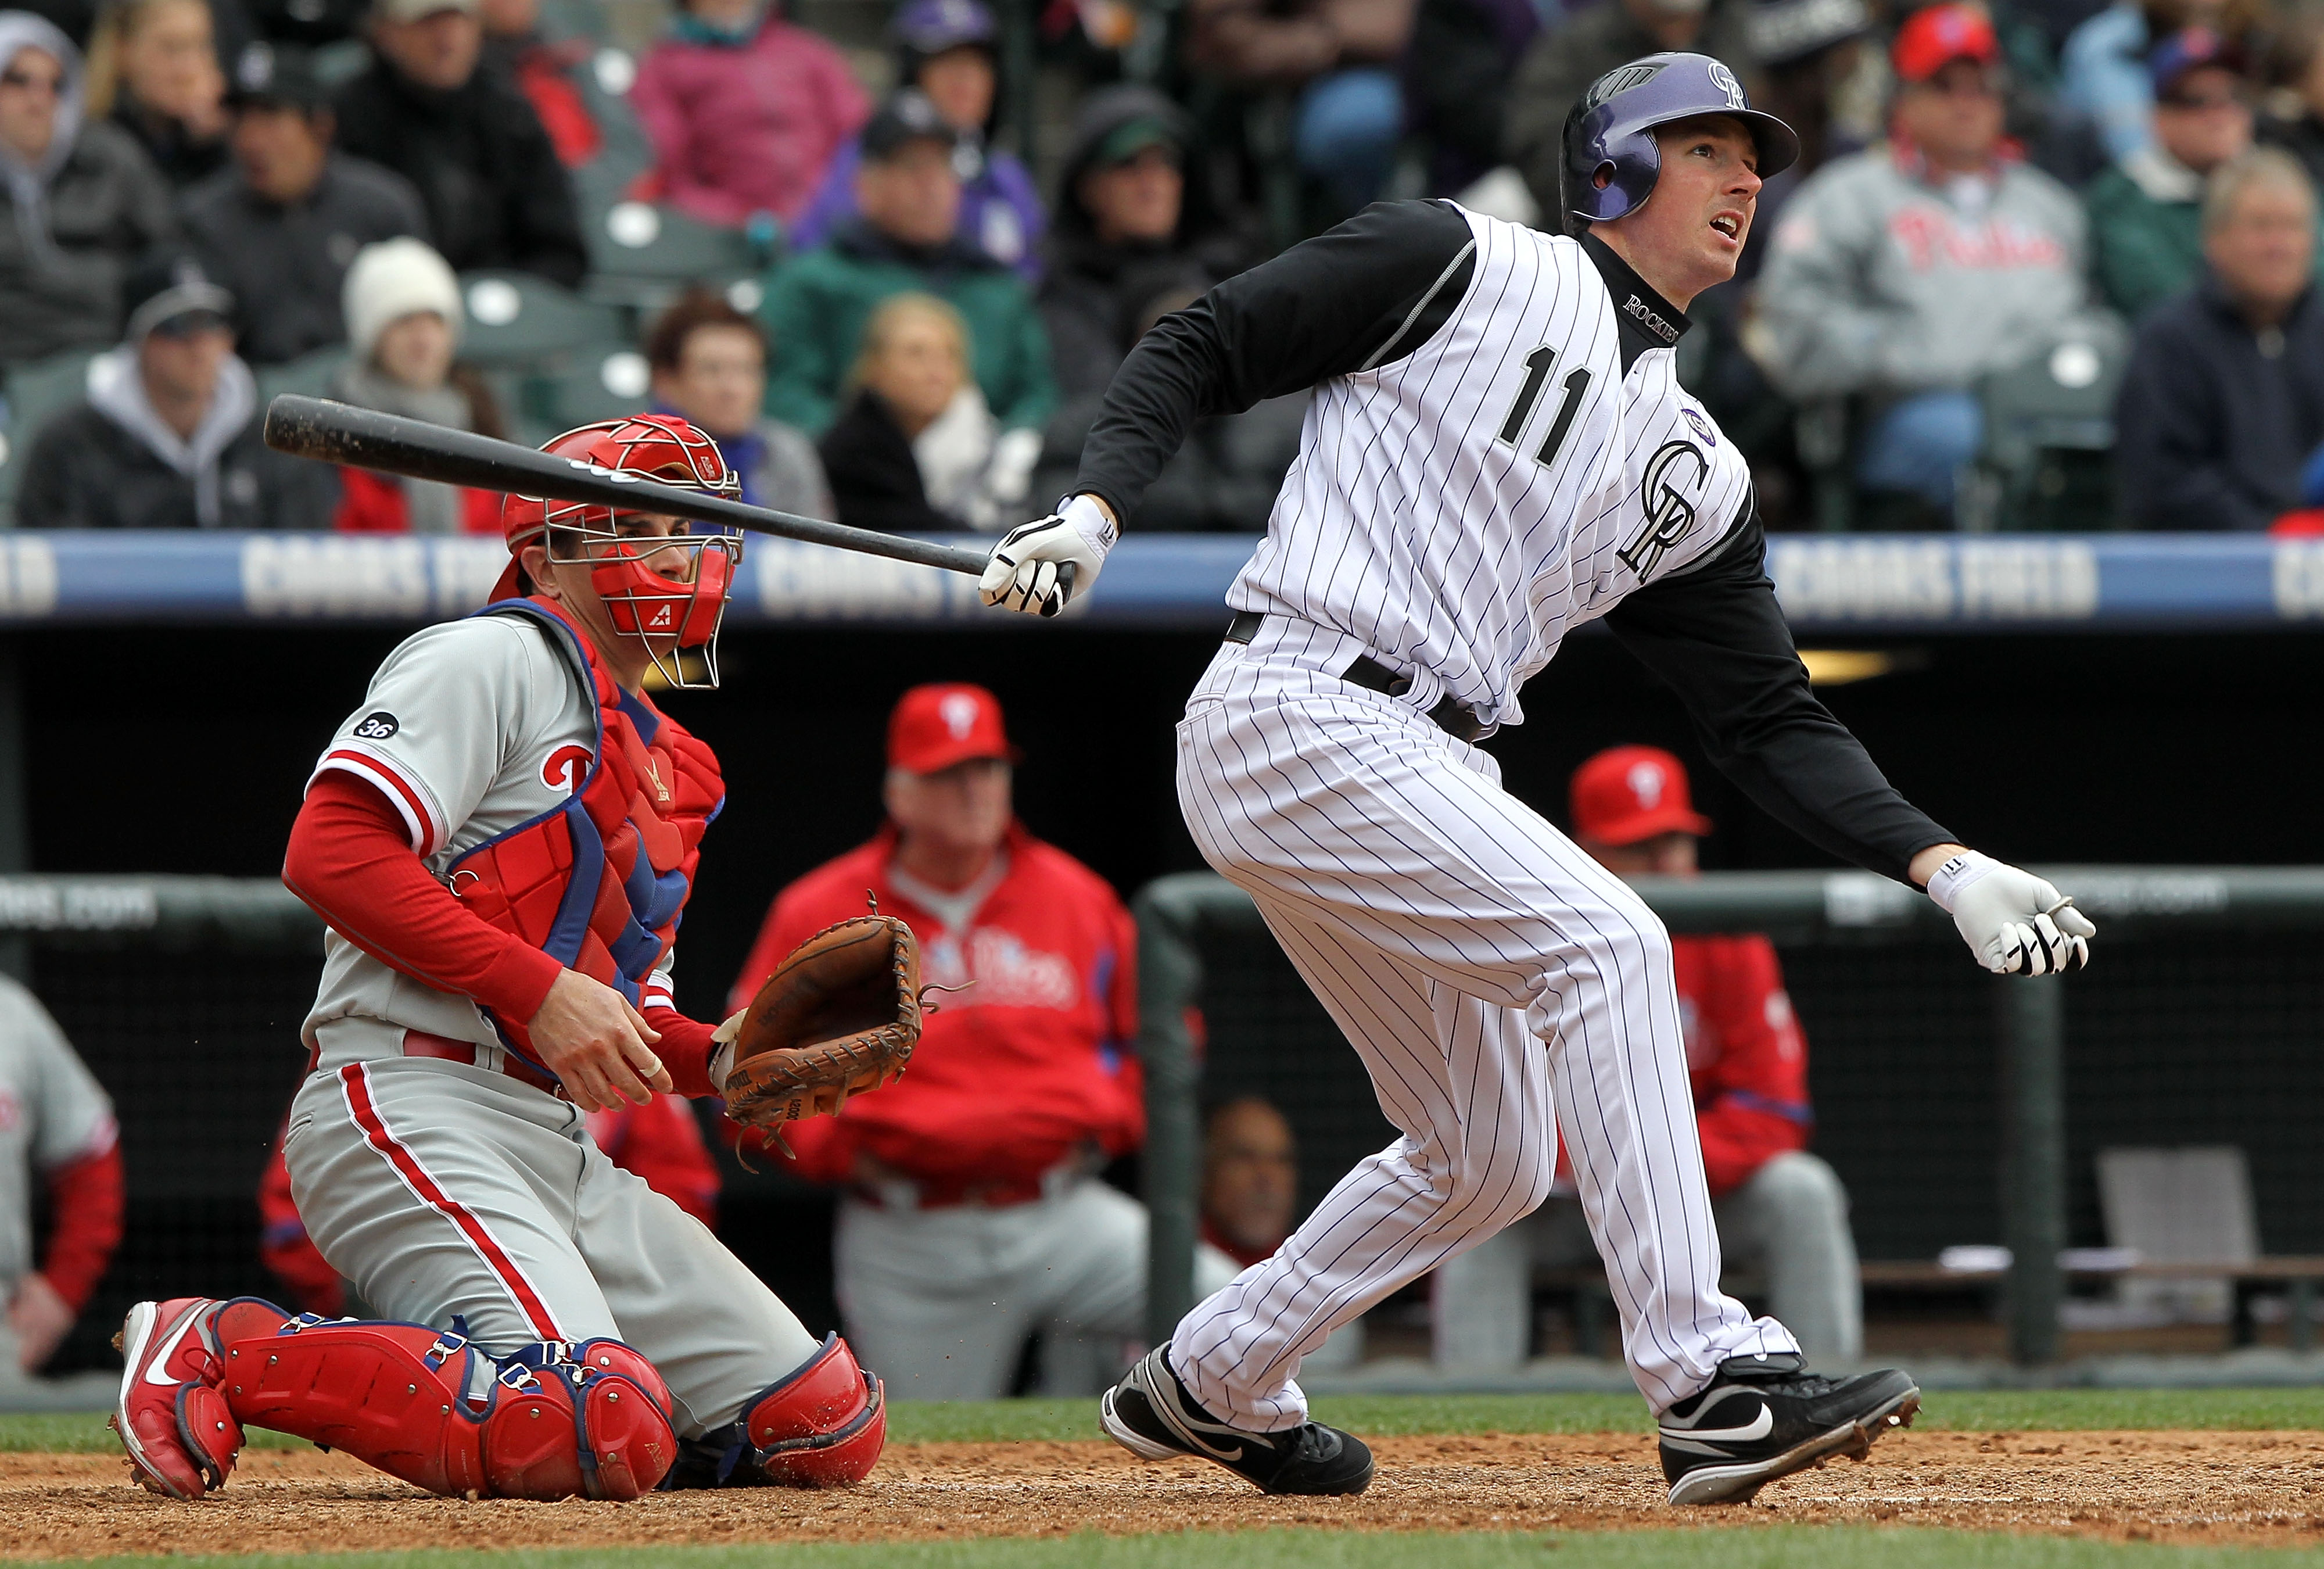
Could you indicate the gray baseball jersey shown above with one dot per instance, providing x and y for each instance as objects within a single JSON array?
[
  {"x": 469, "y": 729},
  {"x": 444, "y": 1190},
  {"x": 51, "y": 1113}
]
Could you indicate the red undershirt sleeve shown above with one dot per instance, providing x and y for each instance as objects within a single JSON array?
[
  {"x": 84, "y": 1196},
  {"x": 685, "y": 1050},
  {"x": 350, "y": 860}
]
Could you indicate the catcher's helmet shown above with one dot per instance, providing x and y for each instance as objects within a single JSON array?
[
  {"x": 673, "y": 589},
  {"x": 1610, "y": 132}
]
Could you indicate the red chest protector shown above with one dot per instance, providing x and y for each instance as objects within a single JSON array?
[{"x": 599, "y": 882}]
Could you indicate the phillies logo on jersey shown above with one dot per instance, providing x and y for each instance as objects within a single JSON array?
[
  {"x": 564, "y": 768},
  {"x": 1669, "y": 513}
]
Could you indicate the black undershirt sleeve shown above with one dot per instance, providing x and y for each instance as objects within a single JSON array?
[
  {"x": 1716, "y": 636},
  {"x": 1365, "y": 294}
]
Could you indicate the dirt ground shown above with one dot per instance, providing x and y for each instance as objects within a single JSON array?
[{"x": 2218, "y": 1488}]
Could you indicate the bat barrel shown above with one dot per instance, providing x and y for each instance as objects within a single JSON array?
[{"x": 340, "y": 433}]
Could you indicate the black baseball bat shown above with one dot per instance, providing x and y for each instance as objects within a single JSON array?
[{"x": 367, "y": 439}]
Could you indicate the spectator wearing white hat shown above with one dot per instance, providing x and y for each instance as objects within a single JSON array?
[{"x": 403, "y": 316}]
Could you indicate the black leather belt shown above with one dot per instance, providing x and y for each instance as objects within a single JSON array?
[{"x": 1456, "y": 719}]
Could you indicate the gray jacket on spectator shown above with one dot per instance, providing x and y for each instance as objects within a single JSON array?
[
  {"x": 71, "y": 227},
  {"x": 1879, "y": 282},
  {"x": 110, "y": 462},
  {"x": 2211, "y": 428},
  {"x": 285, "y": 264}
]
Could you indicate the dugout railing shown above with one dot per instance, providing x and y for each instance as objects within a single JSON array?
[
  {"x": 1193, "y": 924},
  {"x": 1973, "y": 1066}
]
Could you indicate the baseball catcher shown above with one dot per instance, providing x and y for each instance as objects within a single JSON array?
[{"x": 502, "y": 839}]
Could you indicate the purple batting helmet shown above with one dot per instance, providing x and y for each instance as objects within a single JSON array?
[{"x": 1612, "y": 161}]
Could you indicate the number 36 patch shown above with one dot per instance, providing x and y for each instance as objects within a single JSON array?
[{"x": 376, "y": 727}]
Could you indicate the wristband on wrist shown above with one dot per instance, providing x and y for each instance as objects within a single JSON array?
[{"x": 1957, "y": 873}]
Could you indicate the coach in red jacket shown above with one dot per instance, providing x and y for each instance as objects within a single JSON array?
[
  {"x": 972, "y": 1216},
  {"x": 1779, "y": 1206}
]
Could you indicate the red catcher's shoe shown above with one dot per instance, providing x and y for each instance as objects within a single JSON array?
[{"x": 181, "y": 1439}]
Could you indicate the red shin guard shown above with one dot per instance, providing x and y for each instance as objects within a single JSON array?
[{"x": 590, "y": 1419}]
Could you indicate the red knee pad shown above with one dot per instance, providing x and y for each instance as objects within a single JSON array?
[
  {"x": 822, "y": 1427},
  {"x": 426, "y": 1405}
]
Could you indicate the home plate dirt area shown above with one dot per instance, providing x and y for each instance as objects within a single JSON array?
[{"x": 2218, "y": 1488}]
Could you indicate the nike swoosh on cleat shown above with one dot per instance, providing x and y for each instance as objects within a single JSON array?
[{"x": 1758, "y": 1427}]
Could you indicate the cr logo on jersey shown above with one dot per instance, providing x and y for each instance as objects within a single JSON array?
[
  {"x": 1669, "y": 514},
  {"x": 376, "y": 727},
  {"x": 566, "y": 767}
]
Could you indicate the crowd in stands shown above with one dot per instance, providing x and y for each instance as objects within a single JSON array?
[{"x": 894, "y": 321}]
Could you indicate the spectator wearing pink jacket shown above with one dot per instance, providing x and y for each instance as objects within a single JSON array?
[{"x": 744, "y": 111}]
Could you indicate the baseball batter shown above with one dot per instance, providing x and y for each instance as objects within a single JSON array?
[
  {"x": 502, "y": 839},
  {"x": 1497, "y": 451}
]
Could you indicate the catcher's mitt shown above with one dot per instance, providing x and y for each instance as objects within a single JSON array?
[{"x": 840, "y": 1016}]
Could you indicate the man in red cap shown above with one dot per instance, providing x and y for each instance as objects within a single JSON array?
[
  {"x": 972, "y": 1216},
  {"x": 1778, "y": 1205},
  {"x": 1899, "y": 276}
]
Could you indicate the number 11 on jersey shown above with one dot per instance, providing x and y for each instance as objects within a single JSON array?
[{"x": 1575, "y": 387}]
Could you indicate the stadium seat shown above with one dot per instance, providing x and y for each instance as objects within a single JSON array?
[
  {"x": 36, "y": 393},
  {"x": 2048, "y": 438},
  {"x": 516, "y": 319},
  {"x": 641, "y": 253},
  {"x": 606, "y": 382}
]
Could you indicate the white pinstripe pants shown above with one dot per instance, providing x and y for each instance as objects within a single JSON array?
[{"x": 1484, "y": 967}]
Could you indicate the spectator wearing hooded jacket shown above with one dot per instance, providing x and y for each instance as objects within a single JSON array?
[
  {"x": 82, "y": 202},
  {"x": 466, "y": 139},
  {"x": 2146, "y": 239},
  {"x": 169, "y": 435},
  {"x": 904, "y": 240},
  {"x": 403, "y": 315},
  {"x": 945, "y": 49},
  {"x": 1900, "y": 276},
  {"x": 744, "y": 111}
]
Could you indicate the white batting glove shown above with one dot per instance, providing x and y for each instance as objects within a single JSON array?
[
  {"x": 1039, "y": 566},
  {"x": 2013, "y": 921}
]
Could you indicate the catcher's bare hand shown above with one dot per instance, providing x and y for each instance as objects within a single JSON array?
[{"x": 589, "y": 1036}]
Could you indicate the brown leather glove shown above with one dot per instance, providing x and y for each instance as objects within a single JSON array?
[{"x": 840, "y": 1016}]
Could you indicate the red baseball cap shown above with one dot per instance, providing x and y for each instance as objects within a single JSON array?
[
  {"x": 949, "y": 722},
  {"x": 1628, "y": 793},
  {"x": 1936, "y": 36}
]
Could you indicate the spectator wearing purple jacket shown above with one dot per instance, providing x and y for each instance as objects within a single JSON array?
[
  {"x": 744, "y": 112},
  {"x": 944, "y": 47}
]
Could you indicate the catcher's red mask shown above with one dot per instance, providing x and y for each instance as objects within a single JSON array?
[{"x": 669, "y": 591}]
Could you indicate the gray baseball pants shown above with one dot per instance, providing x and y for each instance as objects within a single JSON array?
[{"x": 444, "y": 1191}]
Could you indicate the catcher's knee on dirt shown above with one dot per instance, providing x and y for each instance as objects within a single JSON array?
[
  {"x": 821, "y": 1426},
  {"x": 589, "y": 1420}
]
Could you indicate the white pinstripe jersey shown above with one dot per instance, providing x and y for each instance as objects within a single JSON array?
[{"x": 1462, "y": 508}]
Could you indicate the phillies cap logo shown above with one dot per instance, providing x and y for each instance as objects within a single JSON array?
[
  {"x": 959, "y": 714},
  {"x": 1645, "y": 782}
]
